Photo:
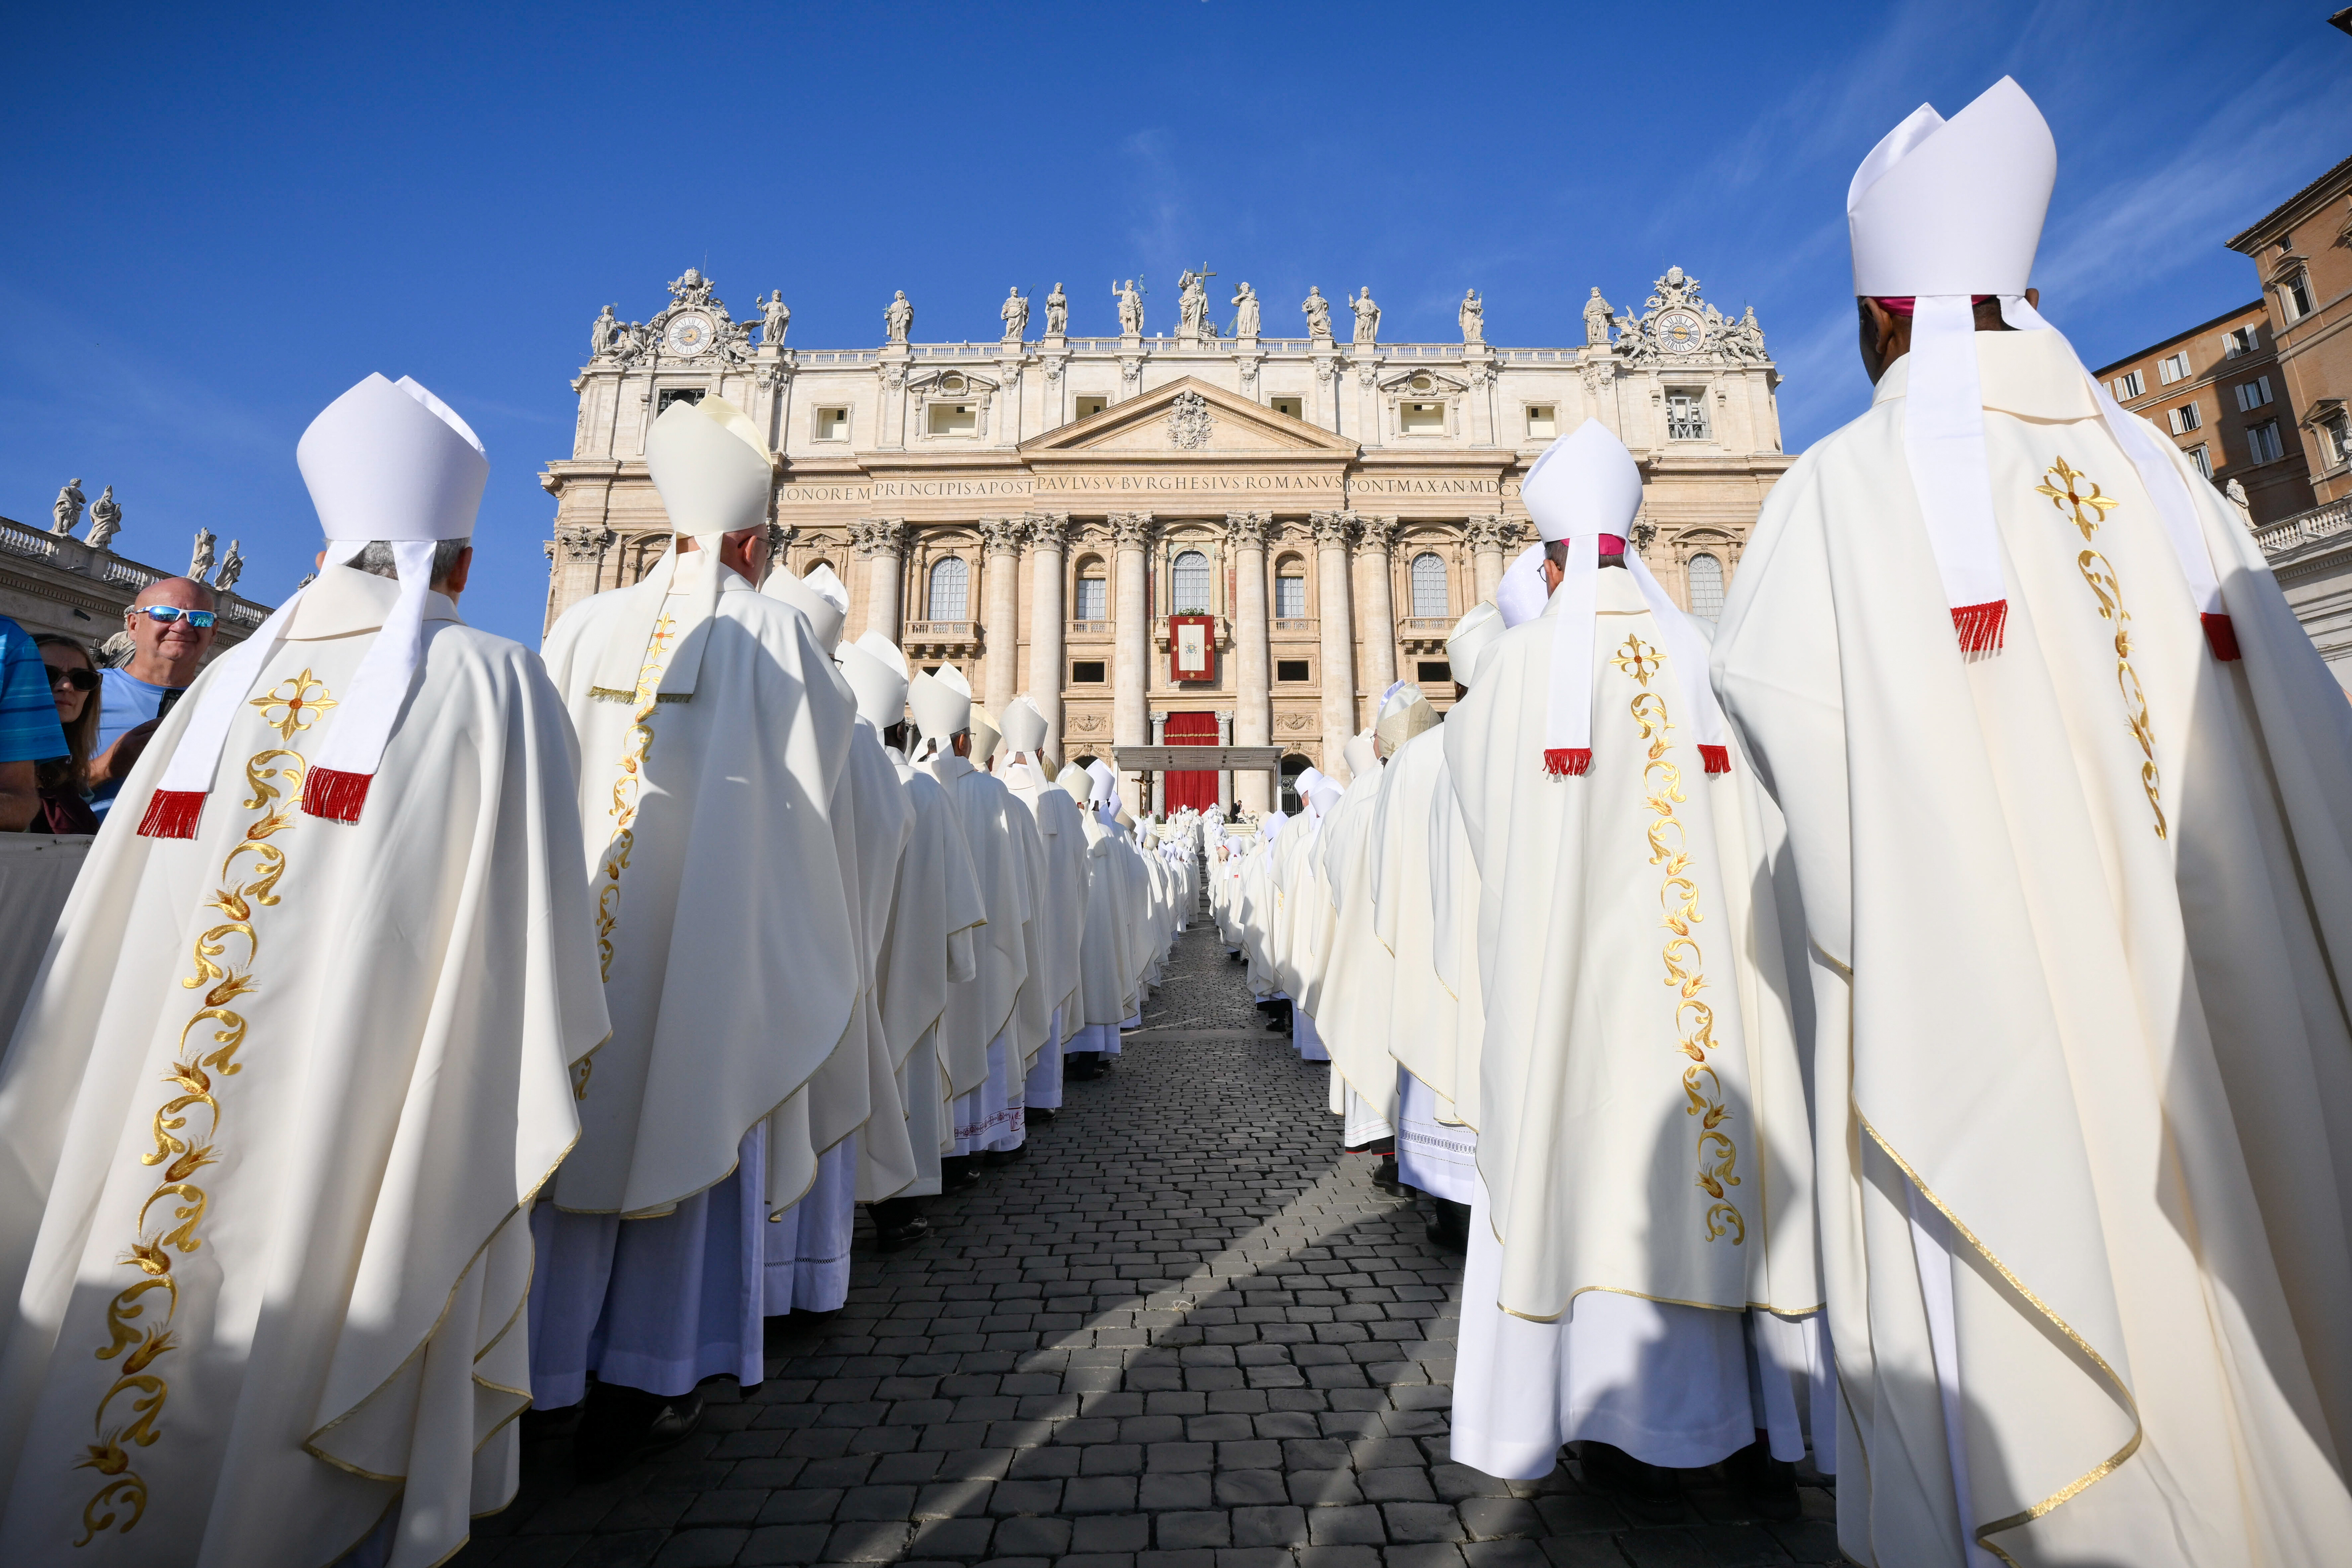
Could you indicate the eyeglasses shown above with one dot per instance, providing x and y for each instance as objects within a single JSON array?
[
  {"x": 164, "y": 615},
  {"x": 80, "y": 680}
]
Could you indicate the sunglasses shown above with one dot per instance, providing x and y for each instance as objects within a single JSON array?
[
  {"x": 164, "y": 615},
  {"x": 80, "y": 680}
]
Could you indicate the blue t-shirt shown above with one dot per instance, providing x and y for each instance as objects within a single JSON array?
[
  {"x": 125, "y": 702},
  {"x": 29, "y": 731}
]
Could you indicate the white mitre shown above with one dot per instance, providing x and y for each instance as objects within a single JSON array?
[
  {"x": 1472, "y": 636},
  {"x": 881, "y": 692},
  {"x": 1940, "y": 213},
  {"x": 1359, "y": 755},
  {"x": 1076, "y": 782},
  {"x": 1521, "y": 594},
  {"x": 1404, "y": 713},
  {"x": 985, "y": 732},
  {"x": 715, "y": 476},
  {"x": 1024, "y": 726},
  {"x": 384, "y": 461},
  {"x": 818, "y": 596},
  {"x": 941, "y": 705}
]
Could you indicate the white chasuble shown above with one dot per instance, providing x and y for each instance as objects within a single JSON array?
[
  {"x": 1061, "y": 913},
  {"x": 1104, "y": 964},
  {"x": 935, "y": 913},
  {"x": 883, "y": 823},
  {"x": 2075, "y": 910},
  {"x": 978, "y": 1011},
  {"x": 1642, "y": 1125},
  {"x": 729, "y": 955},
  {"x": 1352, "y": 993},
  {"x": 270, "y": 1118}
]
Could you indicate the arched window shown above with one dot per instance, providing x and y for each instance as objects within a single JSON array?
[
  {"x": 1289, "y": 589},
  {"x": 1428, "y": 585},
  {"x": 1094, "y": 592},
  {"x": 1191, "y": 584},
  {"x": 1705, "y": 587},
  {"x": 950, "y": 577}
]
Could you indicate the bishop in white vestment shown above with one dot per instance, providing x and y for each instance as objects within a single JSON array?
[
  {"x": 301, "y": 1052},
  {"x": 1643, "y": 1143},
  {"x": 2069, "y": 795},
  {"x": 714, "y": 741}
]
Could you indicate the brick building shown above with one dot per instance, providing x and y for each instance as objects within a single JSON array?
[{"x": 2218, "y": 390}]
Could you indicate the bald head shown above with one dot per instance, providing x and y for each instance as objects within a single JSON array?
[{"x": 167, "y": 652}]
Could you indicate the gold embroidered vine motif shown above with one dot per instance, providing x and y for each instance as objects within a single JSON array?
[
  {"x": 248, "y": 881},
  {"x": 2101, "y": 578},
  {"x": 1718, "y": 1156},
  {"x": 624, "y": 809}
]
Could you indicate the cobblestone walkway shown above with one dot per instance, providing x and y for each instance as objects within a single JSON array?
[{"x": 1186, "y": 1332}]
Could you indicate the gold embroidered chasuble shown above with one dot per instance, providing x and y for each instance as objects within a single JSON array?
[
  {"x": 2076, "y": 914},
  {"x": 281, "y": 1091},
  {"x": 714, "y": 835},
  {"x": 1642, "y": 1123}
]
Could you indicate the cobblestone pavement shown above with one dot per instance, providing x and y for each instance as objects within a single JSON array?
[{"x": 1186, "y": 1332}]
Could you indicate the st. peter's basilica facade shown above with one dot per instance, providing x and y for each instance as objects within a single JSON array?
[{"x": 1040, "y": 510}]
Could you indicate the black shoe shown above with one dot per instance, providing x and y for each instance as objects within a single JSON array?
[
  {"x": 898, "y": 1223},
  {"x": 1082, "y": 1066},
  {"x": 1767, "y": 1485},
  {"x": 1652, "y": 1494},
  {"x": 1384, "y": 1175},
  {"x": 1449, "y": 1224},
  {"x": 958, "y": 1171},
  {"x": 1034, "y": 1117},
  {"x": 994, "y": 1159},
  {"x": 623, "y": 1425}
]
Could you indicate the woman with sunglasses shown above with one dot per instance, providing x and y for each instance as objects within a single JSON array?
[
  {"x": 63, "y": 780},
  {"x": 171, "y": 630}
]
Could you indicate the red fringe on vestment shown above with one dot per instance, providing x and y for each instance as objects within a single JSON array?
[
  {"x": 1980, "y": 625},
  {"x": 2221, "y": 637},
  {"x": 1566, "y": 761},
  {"x": 1716, "y": 758},
  {"x": 337, "y": 796},
  {"x": 172, "y": 814}
]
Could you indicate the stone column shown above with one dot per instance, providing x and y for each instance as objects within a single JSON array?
[
  {"x": 1224, "y": 775},
  {"x": 1488, "y": 538},
  {"x": 1253, "y": 722},
  {"x": 1047, "y": 620},
  {"x": 579, "y": 551},
  {"x": 881, "y": 542},
  {"x": 1160, "y": 778},
  {"x": 1374, "y": 580},
  {"x": 1001, "y": 633},
  {"x": 1131, "y": 640},
  {"x": 1335, "y": 617}
]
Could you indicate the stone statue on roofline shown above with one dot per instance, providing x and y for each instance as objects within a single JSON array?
[
  {"x": 105, "y": 520},
  {"x": 67, "y": 509}
]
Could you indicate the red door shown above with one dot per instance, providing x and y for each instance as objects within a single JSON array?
[{"x": 1195, "y": 789}]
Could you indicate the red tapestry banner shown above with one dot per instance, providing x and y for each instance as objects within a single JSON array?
[
  {"x": 1192, "y": 647},
  {"x": 1195, "y": 788}
]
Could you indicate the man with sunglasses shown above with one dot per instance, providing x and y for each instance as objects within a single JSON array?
[{"x": 170, "y": 628}]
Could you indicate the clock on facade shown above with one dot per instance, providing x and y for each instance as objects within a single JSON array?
[
  {"x": 1680, "y": 333},
  {"x": 688, "y": 333}
]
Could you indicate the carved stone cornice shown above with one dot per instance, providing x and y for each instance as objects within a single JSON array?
[
  {"x": 582, "y": 544},
  {"x": 1249, "y": 530},
  {"x": 1132, "y": 528},
  {"x": 879, "y": 536},
  {"x": 1047, "y": 529},
  {"x": 1378, "y": 533},
  {"x": 1002, "y": 535},
  {"x": 1331, "y": 528}
]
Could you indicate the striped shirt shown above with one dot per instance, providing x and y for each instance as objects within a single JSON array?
[{"x": 29, "y": 731}]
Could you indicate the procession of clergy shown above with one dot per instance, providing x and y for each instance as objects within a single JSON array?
[{"x": 1899, "y": 1028}]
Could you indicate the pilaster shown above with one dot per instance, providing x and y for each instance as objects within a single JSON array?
[
  {"x": 1047, "y": 619},
  {"x": 1130, "y": 694},
  {"x": 1332, "y": 532},
  {"x": 1375, "y": 579},
  {"x": 881, "y": 543},
  {"x": 1002, "y": 539},
  {"x": 1253, "y": 716}
]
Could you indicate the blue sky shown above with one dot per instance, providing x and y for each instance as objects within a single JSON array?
[{"x": 219, "y": 222}]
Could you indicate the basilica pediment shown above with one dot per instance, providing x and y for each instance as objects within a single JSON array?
[{"x": 1184, "y": 418}]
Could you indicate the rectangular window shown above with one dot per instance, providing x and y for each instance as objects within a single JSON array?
[
  {"x": 2263, "y": 439},
  {"x": 1294, "y": 407},
  {"x": 2128, "y": 385},
  {"x": 670, "y": 394},
  {"x": 2244, "y": 340},
  {"x": 1422, "y": 418},
  {"x": 2254, "y": 394},
  {"x": 1093, "y": 595},
  {"x": 1086, "y": 672},
  {"x": 2296, "y": 294},
  {"x": 833, "y": 424},
  {"x": 1087, "y": 407},
  {"x": 1433, "y": 672},
  {"x": 955, "y": 418},
  {"x": 2184, "y": 420},
  {"x": 1289, "y": 598},
  {"x": 2173, "y": 367},
  {"x": 1686, "y": 414},
  {"x": 1543, "y": 421},
  {"x": 1291, "y": 669},
  {"x": 2202, "y": 458},
  {"x": 2338, "y": 431}
]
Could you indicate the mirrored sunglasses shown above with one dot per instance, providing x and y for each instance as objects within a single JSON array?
[{"x": 164, "y": 615}]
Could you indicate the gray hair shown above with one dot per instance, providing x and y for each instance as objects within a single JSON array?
[{"x": 377, "y": 558}]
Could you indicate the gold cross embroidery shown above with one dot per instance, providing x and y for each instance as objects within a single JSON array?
[
  {"x": 294, "y": 694},
  {"x": 2070, "y": 499},
  {"x": 1637, "y": 658}
]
